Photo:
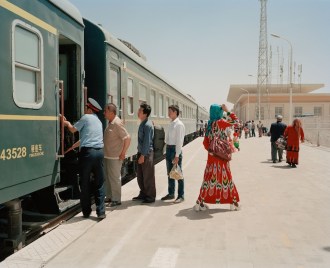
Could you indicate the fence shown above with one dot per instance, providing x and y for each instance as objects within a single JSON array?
[{"x": 317, "y": 130}]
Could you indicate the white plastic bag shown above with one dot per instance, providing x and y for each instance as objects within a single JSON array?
[{"x": 176, "y": 173}]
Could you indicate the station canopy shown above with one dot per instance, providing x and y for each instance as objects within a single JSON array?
[{"x": 235, "y": 91}]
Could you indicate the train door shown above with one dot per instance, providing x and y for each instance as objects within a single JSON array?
[
  {"x": 114, "y": 91},
  {"x": 69, "y": 70}
]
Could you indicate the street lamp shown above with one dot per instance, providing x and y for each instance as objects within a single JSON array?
[
  {"x": 248, "y": 117},
  {"x": 291, "y": 84}
]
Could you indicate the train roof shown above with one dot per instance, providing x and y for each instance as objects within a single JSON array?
[
  {"x": 116, "y": 43},
  {"x": 69, "y": 9}
]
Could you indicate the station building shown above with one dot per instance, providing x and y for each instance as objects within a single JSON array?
[{"x": 276, "y": 101}]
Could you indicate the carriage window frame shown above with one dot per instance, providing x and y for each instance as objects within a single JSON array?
[
  {"x": 161, "y": 105},
  {"x": 153, "y": 100},
  {"x": 141, "y": 100},
  {"x": 130, "y": 98},
  {"x": 167, "y": 104},
  {"x": 37, "y": 71}
]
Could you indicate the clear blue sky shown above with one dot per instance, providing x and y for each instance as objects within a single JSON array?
[{"x": 203, "y": 46}]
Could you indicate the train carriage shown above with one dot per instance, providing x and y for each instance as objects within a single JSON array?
[
  {"x": 41, "y": 43},
  {"x": 49, "y": 53},
  {"x": 117, "y": 72}
]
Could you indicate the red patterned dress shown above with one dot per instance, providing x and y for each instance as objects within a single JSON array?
[
  {"x": 293, "y": 139},
  {"x": 218, "y": 186}
]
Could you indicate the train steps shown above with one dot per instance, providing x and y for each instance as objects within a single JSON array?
[{"x": 55, "y": 199}]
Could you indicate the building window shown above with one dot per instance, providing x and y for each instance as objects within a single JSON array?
[
  {"x": 278, "y": 111},
  {"x": 298, "y": 111},
  {"x": 318, "y": 111},
  {"x": 262, "y": 113},
  {"x": 27, "y": 59},
  {"x": 142, "y": 93},
  {"x": 130, "y": 96},
  {"x": 160, "y": 105}
]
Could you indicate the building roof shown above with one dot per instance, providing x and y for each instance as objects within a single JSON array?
[{"x": 235, "y": 91}]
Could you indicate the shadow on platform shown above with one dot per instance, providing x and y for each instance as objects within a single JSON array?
[
  {"x": 191, "y": 214},
  {"x": 131, "y": 203}
]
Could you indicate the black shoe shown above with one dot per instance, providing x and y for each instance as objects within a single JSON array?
[
  {"x": 280, "y": 160},
  {"x": 148, "y": 201},
  {"x": 294, "y": 165},
  {"x": 115, "y": 203},
  {"x": 167, "y": 197},
  {"x": 138, "y": 198},
  {"x": 86, "y": 216},
  {"x": 274, "y": 161}
]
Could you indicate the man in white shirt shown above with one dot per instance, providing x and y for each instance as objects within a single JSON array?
[{"x": 174, "y": 142}]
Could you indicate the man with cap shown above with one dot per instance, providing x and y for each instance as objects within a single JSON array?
[
  {"x": 276, "y": 130},
  {"x": 90, "y": 158}
]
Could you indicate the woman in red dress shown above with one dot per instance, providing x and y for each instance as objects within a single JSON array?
[
  {"x": 218, "y": 186},
  {"x": 294, "y": 134}
]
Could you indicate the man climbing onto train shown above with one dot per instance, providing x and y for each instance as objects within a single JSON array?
[{"x": 90, "y": 158}]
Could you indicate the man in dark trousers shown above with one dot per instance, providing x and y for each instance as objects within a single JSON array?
[
  {"x": 174, "y": 142},
  {"x": 146, "y": 167},
  {"x": 90, "y": 158},
  {"x": 276, "y": 130}
]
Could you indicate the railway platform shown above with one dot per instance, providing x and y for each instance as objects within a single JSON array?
[{"x": 284, "y": 220}]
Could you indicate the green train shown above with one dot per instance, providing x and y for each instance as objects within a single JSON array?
[{"x": 51, "y": 59}]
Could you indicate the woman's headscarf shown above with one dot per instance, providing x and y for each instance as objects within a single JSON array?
[
  {"x": 216, "y": 113},
  {"x": 297, "y": 125}
]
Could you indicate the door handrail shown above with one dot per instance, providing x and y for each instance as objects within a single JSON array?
[{"x": 61, "y": 94}]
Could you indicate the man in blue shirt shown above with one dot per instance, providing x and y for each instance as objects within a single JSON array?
[
  {"x": 90, "y": 158},
  {"x": 146, "y": 167}
]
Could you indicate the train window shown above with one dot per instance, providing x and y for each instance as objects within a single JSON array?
[
  {"x": 161, "y": 106},
  {"x": 130, "y": 96},
  {"x": 142, "y": 93},
  {"x": 180, "y": 108},
  {"x": 153, "y": 102},
  {"x": 27, "y": 58},
  {"x": 167, "y": 103},
  {"x": 114, "y": 91}
]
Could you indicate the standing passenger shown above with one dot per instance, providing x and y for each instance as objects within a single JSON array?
[
  {"x": 217, "y": 186},
  {"x": 260, "y": 129},
  {"x": 116, "y": 143},
  {"x": 294, "y": 134},
  {"x": 253, "y": 128},
  {"x": 145, "y": 168},
  {"x": 276, "y": 130},
  {"x": 90, "y": 158},
  {"x": 174, "y": 142}
]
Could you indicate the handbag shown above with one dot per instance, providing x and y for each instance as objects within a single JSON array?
[
  {"x": 219, "y": 146},
  {"x": 176, "y": 172},
  {"x": 281, "y": 143}
]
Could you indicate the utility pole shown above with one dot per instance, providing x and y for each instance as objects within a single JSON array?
[{"x": 263, "y": 55}]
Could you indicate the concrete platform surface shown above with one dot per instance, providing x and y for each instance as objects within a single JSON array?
[{"x": 284, "y": 221}]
